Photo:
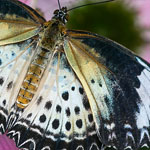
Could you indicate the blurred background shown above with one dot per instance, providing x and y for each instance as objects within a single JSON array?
[{"x": 124, "y": 21}]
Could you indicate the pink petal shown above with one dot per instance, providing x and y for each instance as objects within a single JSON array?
[
  {"x": 7, "y": 143},
  {"x": 27, "y": 2},
  {"x": 48, "y": 6},
  {"x": 146, "y": 53},
  {"x": 143, "y": 7}
]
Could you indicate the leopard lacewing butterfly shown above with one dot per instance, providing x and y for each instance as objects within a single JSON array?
[{"x": 68, "y": 89}]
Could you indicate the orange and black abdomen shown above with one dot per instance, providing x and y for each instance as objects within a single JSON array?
[{"x": 32, "y": 78}]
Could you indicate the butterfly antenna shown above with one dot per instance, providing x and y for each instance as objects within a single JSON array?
[
  {"x": 104, "y": 1},
  {"x": 59, "y": 4}
]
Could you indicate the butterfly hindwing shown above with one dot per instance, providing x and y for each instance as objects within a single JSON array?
[
  {"x": 117, "y": 85},
  {"x": 15, "y": 60},
  {"x": 59, "y": 116},
  {"x": 18, "y": 22}
]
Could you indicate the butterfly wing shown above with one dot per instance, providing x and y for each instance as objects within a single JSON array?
[
  {"x": 117, "y": 84},
  {"x": 18, "y": 22},
  {"x": 12, "y": 75},
  {"x": 59, "y": 116}
]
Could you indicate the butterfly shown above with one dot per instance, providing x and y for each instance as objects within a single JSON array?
[{"x": 68, "y": 89}]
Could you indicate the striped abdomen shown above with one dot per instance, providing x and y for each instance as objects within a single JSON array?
[{"x": 32, "y": 79}]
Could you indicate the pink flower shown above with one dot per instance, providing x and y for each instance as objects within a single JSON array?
[
  {"x": 146, "y": 53},
  {"x": 6, "y": 143},
  {"x": 48, "y": 7},
  {"x": 142, "y": 7},
  {"x": 27, "y": 2}
]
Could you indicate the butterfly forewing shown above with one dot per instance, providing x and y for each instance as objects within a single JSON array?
[
  {"x": 18, "y": 22},
  {"x": 117, "y": 85}
]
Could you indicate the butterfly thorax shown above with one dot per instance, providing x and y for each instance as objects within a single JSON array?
[{"x": 54, "y": 30}]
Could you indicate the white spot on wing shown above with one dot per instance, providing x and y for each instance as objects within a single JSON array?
[
  {"x": 143, "y": 64},
  {"x": 144, "y": 132},
  {"x": 145, "y": 145},
  {"x": 80, "y": 148},
  {"x": 129, "y": 135},
  {"x": 46, "y": 148},
  {"x": 142, "y": 120},
  {"x": 143, "y": 91},
  {"x": 128, "y": 147},
  {"x": 110, "y": 126},
  {"x": 94, "y": 145},
  {"x": 127, "y": 126}
]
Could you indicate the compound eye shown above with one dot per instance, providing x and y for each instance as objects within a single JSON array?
[{"x": 64, "y": 9}]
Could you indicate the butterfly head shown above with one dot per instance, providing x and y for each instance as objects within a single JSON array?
[{"x": 61, "y": 15}]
